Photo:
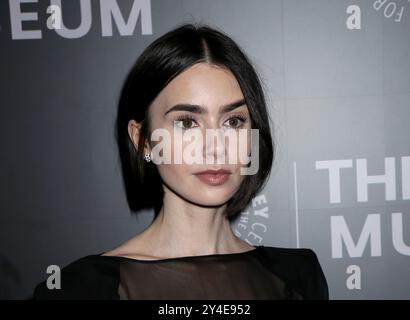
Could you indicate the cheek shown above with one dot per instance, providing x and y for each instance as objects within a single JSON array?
[
  {"x": 172, "y": 173},
  {"x": 240, "y": 151},
  {"x": 178, "y": 148},
  {"x": 237, "y": 180}
]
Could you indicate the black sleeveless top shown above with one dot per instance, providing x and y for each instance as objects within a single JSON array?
[{"x": 260, "y": 273}]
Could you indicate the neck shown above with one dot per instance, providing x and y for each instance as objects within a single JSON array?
[{"x": 183, "y": 229}]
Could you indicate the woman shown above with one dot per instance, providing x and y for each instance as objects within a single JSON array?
[{"x": 192, "y": 79}]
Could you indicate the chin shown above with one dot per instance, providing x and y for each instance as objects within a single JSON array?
[
  {"x": 211, "y": 203},
  {"x": 212, "y": 198}
]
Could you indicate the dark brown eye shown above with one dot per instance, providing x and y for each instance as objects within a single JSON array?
[
  {"x": 236, "y": 121},
  {"x": 233, "y": 122},
  {"x": 184, "y": 122}
]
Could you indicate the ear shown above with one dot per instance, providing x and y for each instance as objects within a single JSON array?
[{"x": 134, "y": 129}]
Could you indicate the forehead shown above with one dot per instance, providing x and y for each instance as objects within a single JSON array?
[{"x": 201, "y": 84}]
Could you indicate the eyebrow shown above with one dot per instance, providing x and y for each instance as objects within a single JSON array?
[{"x": 194, "y": 108}]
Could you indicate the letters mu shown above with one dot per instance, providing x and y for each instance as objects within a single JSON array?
[{"x": 371, "y": 232}]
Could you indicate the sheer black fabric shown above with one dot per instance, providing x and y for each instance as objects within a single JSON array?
[{"x": 261, "y": 273}]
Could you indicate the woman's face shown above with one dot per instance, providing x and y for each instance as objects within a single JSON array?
[{"x": 211, "y": 88}]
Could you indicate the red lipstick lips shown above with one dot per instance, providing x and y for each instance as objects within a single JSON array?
[{"x": 214, "y": 177}]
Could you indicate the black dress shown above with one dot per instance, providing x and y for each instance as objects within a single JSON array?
[{"x": 260, "y": 273}]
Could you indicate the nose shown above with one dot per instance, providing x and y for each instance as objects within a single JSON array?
[{"x": 214, "y": 146}]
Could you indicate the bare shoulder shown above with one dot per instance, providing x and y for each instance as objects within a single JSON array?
[{"x": 133, "y": 248}]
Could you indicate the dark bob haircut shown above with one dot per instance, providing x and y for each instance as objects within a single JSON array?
[{"x": 159, "y": 63}]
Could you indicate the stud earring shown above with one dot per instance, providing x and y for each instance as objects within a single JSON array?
[{"x": 147, "y": 157}]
